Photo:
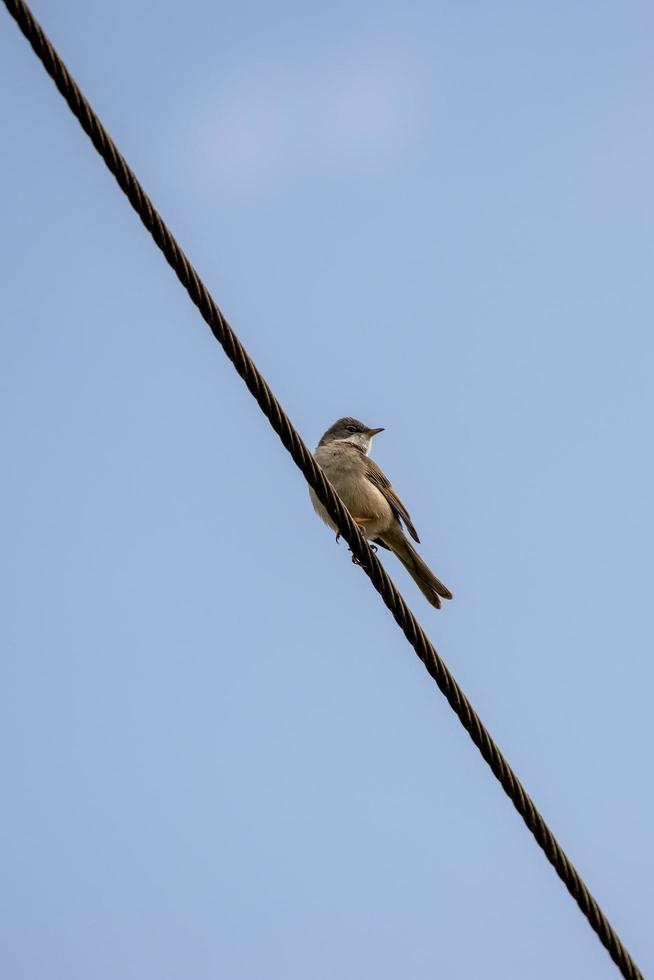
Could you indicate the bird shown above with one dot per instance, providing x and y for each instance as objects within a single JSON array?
[{"x": 366, "y": 491}]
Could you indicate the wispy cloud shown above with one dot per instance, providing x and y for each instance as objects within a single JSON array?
[{"x": 274, "y": 121}]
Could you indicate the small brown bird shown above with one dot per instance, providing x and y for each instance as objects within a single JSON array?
[{"x": 342, "y": 453}]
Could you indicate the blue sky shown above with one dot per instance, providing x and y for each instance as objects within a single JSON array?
[{"x": 220, "y": 757}]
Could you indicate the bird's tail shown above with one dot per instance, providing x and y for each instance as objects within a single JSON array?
[{"x": 431, "y": 587}]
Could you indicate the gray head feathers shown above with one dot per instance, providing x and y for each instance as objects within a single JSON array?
[{"x": 351, "y": 430}]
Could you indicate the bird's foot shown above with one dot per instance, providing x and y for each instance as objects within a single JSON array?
[{"x": 355, "y": 560}]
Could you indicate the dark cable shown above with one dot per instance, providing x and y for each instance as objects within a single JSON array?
[{"x": 324, "y": 490}]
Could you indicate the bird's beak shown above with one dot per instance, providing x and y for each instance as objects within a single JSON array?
[{"x": 373, "y": 432}]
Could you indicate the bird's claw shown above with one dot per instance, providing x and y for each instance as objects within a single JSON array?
[
  {"x": 356, "y": 561},
  {"x": 373, "y": 547}
]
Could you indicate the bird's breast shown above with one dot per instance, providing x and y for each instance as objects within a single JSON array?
[{"x": 346, "y": 471}]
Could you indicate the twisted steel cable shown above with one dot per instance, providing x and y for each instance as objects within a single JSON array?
[{"x": 324, "y": 490}]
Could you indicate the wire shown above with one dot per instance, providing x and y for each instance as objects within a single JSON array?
[{"x": 324, "y": 490}]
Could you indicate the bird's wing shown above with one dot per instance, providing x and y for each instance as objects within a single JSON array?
[{"x": 379, "y": 479}]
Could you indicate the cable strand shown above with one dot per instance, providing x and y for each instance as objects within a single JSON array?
[{"x": 314, "y": 476}]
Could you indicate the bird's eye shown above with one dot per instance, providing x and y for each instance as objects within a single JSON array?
[{"x": 351, "y": 428}]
